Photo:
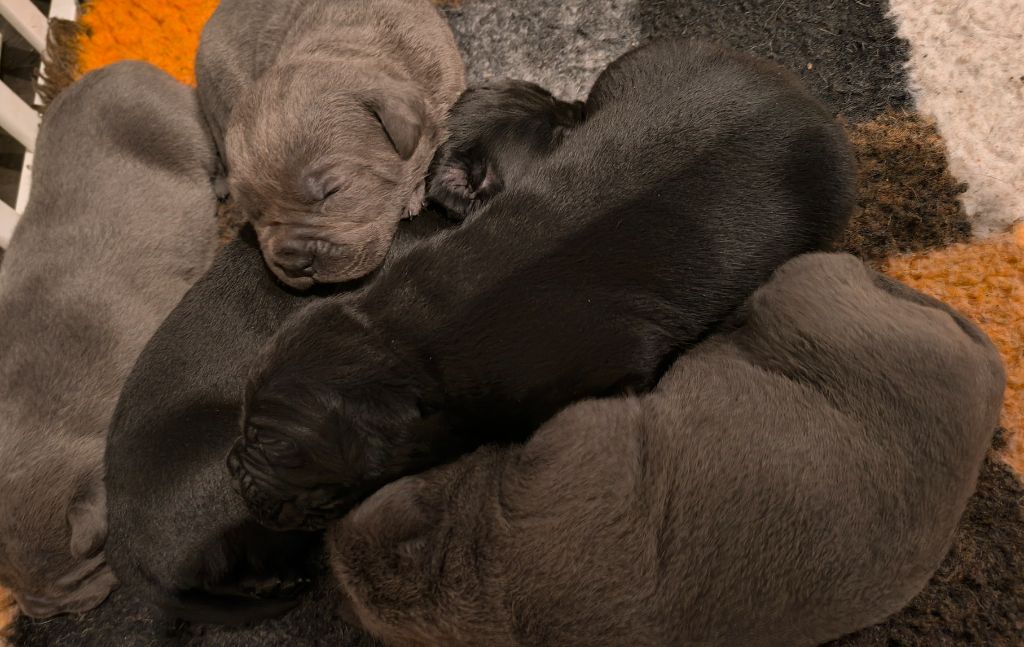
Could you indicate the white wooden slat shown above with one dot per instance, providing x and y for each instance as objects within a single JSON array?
[
  {"x": 17, "y": 117},
  {"x": 66, "y": 9},
  {"x": 24, "y": 182},
  {"x": 8, "y": 219},
  {"x": 27, "y": 20}
]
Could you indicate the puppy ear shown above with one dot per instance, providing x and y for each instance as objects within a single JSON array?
[
  {"x": 87, "y": 518},
  {"x": 570, "y": 114},
  {"x": 402, "y": 115},
  {"x": 462, "y": 181}
]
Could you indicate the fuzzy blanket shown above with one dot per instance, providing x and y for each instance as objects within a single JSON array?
[{"x": 946, "y": 234}]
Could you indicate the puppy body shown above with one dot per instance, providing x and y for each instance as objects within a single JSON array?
[
  {"x": 120, "y": 223},
  {"x": 695, "y": 173},
  {"x": 327, "y": 114},
  {"x": 176, "y": 532},
  {"x": 179, "y": 536},
  {"x": 787, "y": 482}
]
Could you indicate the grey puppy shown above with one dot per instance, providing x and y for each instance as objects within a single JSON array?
[
  {"x": 327, "y": 114},
  {"x": 120, "y": 223},
  {"x": 788, "y": 481}
]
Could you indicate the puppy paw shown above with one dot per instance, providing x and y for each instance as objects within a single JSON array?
[
  {"x": 220, "y": 187},
  {"x": 273, "y": 501},
  {"x": 416, "y": 201}
]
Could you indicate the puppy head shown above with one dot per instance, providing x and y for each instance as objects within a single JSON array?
[
  {"x": 496, "y": 132},
  {"x": 324, "y": 167},
  {"x": 331, "y": 414},
  {"x": 53, "y": 525}
]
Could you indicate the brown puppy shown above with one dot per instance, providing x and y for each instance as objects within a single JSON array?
[
  {"x": 787, "y": 482},
  {"x": 327, "y": 114},
  {"x": 121, "y": 222}
]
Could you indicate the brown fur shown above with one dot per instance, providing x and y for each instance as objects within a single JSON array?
[
  {"x": 977, "y": 595},
  {"x": 120, "y": 222},
  {"x": 327, "y": 114},
  {"x": 788, "y": 482}
]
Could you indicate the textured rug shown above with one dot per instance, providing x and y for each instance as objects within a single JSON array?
[{"x": 931, "y": 93}]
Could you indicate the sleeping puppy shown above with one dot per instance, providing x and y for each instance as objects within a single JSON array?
[
  {"x": 120, "y": 223},
  {"x": 790, "y": 481},
  {"x": 327, "y": 114},
  {"x": 695, "y": 173},
  {"x": 180, "y": 538}
]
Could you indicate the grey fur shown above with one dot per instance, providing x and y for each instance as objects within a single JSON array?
[
  {"x": 789, "y": 481},
  {"x": 120, "y": 223},
  {"x": 327, "y": 114}
]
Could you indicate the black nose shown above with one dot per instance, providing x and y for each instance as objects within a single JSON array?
[{"x": 295, "y": 258}]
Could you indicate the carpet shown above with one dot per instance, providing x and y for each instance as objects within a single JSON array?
[{"x": 930, "y": 91}]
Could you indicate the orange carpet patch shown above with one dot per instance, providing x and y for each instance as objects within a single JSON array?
[
  {"x": 7, "y": 612},
  {"x": 985, "y": 281},
  {"x": 162, "y": 32}
]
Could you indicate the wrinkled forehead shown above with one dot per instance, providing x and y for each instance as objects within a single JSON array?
[
  {"x": 286, "y": 109},
  {"x": 276, "y": 161}
]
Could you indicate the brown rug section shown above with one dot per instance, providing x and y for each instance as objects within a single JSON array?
[
  {"x": 977, "y": 595},
  {"x": 7, "y": 613},
  {"x": 60, "y": 61},
  {"x": 907, "y": 200}
]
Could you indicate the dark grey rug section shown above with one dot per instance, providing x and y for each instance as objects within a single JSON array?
[
  {"x": 560, "y": 44},
  {"x": 847, "y": 51}
]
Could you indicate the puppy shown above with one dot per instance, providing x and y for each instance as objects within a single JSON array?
[
  {"x": 790, "y": 481},
  {"x": 695, "y": 173},
  {"x": 327, "y": 114},
  {"x": 120, "y": 223},
  {"x": 180, "y": 538}
]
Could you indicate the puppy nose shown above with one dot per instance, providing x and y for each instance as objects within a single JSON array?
[{"x": 294, "y": 258}]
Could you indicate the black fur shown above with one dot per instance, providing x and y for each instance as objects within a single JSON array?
[
  {"x": 494, "y": 129},
  {"x": 695, "y": 173},
  {"x": 179, "y": 537}
]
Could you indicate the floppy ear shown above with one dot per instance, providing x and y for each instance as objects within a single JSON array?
[
  {"x": 87, "y": 518},
  {"x": 570, "y": 114},
  {"x": 402, "y": 115}
]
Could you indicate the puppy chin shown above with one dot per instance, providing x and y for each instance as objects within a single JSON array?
[
  {"x": 295, "y": 282},
  {"x": 351, "y": 262}
]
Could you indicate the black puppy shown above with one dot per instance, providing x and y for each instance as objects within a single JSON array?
[
  {"x": 695, "y": 173},
  {"x": 179, "y": 536}
]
